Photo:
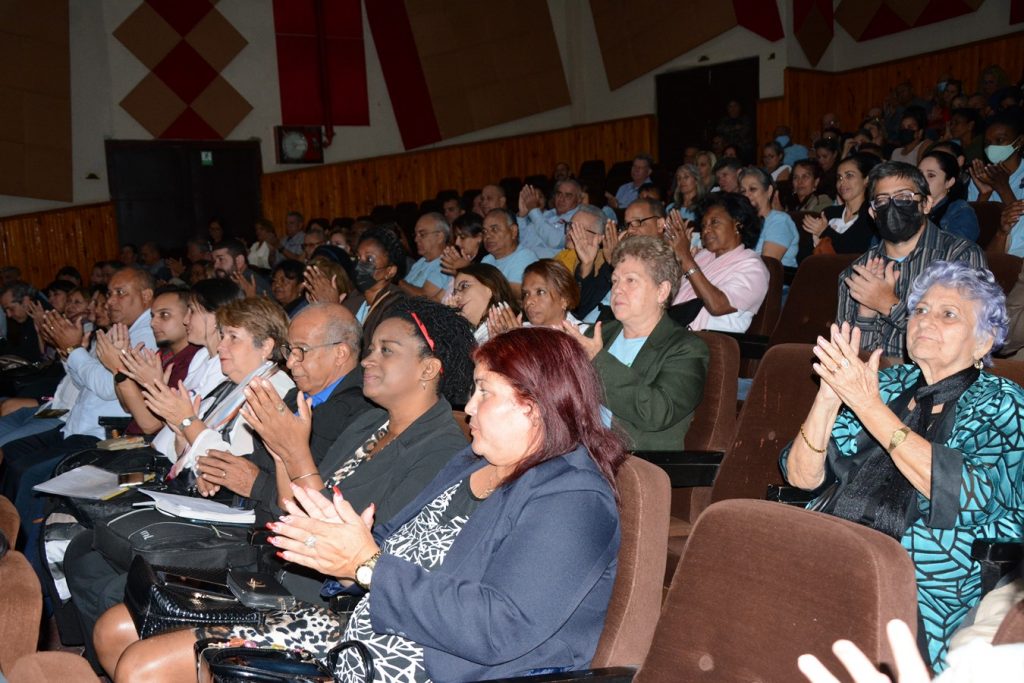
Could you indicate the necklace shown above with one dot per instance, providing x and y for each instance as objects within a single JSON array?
[{"x": 495, "y": 483}]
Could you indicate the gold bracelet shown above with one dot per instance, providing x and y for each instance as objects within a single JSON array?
[
  {"x": 807, "y": 441},
  {"x": 295, "y": 479}
]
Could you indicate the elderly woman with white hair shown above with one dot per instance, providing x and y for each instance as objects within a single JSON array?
[{"x": 930, "y": 453}]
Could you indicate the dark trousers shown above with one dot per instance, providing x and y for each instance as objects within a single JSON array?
[
  {"x": 31, "y": 461},
  {"x": 95, "y": 584}
]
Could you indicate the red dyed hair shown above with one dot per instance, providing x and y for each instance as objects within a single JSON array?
[{"x": 549, "y": 369}]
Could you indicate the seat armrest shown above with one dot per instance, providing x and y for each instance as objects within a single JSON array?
[
  {"x": 997, "y": 557},
  {"x": 114, "y": 426},
  {"x": 686, "y": 468},
  {"x": 790, "y": 495},
  {"x": 616, "y": 674},
  {"x": 752, "y": 346}
]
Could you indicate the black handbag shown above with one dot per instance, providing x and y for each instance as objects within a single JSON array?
[
  {"x": 169, "y": 599},
  {"x": 220, "y": 663}
]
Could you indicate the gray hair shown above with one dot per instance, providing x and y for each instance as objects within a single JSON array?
[
  {"x": 570, "y": 181},
  {"x": 19, "y": 290},
  {"x": 657, "y": 256},
  {"x": 897, "y": 169},
  {"x": 440, "y": 223},
  {"x": 297, "y": 215},
  {"x": 977, "y": 285},
  {"x": 593, "y": 212},
  {"x": 763, "y": 179},
  {"x": 336, "y": 328}
]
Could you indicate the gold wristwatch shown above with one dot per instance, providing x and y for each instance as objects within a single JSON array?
[
  {"x": 364, "y": 572},
  {"x": 898, "y": 437}
]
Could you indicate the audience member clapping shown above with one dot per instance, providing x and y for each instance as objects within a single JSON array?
[
  {"x": 848, "y": 228},
  {"x": 777, "y": 237},
  {"x": 479, "y": 288},
  {"x": 949, "y": 211},
  {"x": 807, "y": 175}
]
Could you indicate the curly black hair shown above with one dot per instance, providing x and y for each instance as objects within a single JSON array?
[
  {"x": 452, "y": 343},
  {"x": 739, "y": 209},
  {"x": 390, "y": 243}
]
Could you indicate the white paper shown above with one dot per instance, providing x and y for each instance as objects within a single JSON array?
[
  {"x": 199, "y": 508},
  {"x": 87, "y": 481}
]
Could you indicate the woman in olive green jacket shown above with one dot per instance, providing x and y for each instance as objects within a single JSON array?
[{"x": 653, "y": 370}]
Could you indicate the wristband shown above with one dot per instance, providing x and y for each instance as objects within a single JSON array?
[
  {"x": 690, "y": 272},
  {"x": 303, "y": 476}
]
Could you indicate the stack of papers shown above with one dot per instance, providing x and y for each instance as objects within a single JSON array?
[
  {"x": 200, "y": 508},
  {"x": 87, "y": 481}
]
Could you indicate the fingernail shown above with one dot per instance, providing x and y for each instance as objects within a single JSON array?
[
  {"x": 272, "y": 540},
  {"x": 285, "y": 518},
  {"x": 337, "y": 492},
  {"x": 280, "y": 554},
  {"x": 270, "y": 525}
]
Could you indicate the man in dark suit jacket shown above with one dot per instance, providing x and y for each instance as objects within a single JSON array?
[{"x": 322, "y": 353}]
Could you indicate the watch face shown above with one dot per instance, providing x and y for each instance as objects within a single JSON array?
[
  {"x": 364, "y": 575},
  {"x": 294, "y": 145}
]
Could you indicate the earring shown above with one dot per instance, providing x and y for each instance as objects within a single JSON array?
[
  {"x": 423, "y": 385},
  {"x": 979, "y": 364}
]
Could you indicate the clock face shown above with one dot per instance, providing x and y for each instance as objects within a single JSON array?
[{"x": 294, "y": 145}]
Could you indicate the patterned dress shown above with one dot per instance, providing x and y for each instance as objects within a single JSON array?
[
  {"x": 983, "y": 497},
  {"x": 424, "y": 540}
]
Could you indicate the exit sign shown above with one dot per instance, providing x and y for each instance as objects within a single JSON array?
[{"x": 206, "y": 158}]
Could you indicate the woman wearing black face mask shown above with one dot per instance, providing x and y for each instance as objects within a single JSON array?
[
  {"x": 380, "y": 264},
  {"x": 911, "y": 137}
]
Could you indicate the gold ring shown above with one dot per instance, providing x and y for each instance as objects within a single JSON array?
[{"x": 280, "y": 407}]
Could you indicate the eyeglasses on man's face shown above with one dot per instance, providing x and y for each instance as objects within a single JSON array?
[
  {"x": 899, "y": 199},
  {"x": 299, "y": 352},
  {"x": 637, "y": 222}
]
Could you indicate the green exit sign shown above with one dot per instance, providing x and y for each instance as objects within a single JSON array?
[{"x": 206, "y": 158}]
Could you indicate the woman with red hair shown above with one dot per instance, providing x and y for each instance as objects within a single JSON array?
[{"x": 501, "y": 567}]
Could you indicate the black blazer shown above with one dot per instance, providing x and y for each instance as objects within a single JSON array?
[{"x": 330, "y": 418}]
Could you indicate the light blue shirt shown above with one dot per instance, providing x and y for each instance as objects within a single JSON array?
[
  {"x": 513, "y": 265},
  {"x": 97, "y": 397},
  {"x": 1016, "y": 184},
  {"x": 543, "y": 232},
  {"x": 625, "y": 351},
  {"x": 793, "y": 154},
  {"x": 364, "y": 310},
  {"x": 627, "y": 194},
  {"x": 427, "y": 271},
  {"x": 294, "y": 243},
  {"x": 779, "y": 228}
]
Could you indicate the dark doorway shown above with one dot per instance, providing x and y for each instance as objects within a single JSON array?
[
  {"x": 168, "y": 191},
  {"x": 693, "y": 101}
]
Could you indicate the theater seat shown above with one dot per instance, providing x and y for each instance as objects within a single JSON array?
[
  {"x": 988, "y": 221},
  {"x": 636, "y": 597},
  {"x": 1006, "y": 268},
  {"x": 52, "y": 667},
  {"x": 1012, "y": 628},
  {"x": 20, "y": 609},
  {"x": 811, "y": 304},
  {"x": 10, "y": 521}
]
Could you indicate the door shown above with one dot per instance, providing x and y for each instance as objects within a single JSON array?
[
  {"x": 691, "y": 102},
  {"x": 167, "y": 191}
]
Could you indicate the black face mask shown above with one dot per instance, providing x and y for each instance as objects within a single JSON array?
[
  {"x": 905, "y": 136},
  {"x": 898, "y": 223},
  {"x": 365, "y": 279}
]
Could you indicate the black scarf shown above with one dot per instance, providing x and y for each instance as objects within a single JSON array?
[{"x": 874, "y": 492}]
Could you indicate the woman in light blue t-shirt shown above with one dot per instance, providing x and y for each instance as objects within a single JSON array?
[{"x": 779, "y": 238}]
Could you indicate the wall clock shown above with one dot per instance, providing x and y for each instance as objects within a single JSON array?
[{"x": 298, "y": 145}]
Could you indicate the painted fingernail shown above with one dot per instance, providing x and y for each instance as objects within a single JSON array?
[
  {"x": 280, "y": 554},
  {"x": 271, "y": 525},
  {"x": 286, "y": 518},
  {"x": 272, "y": 540},
  {"x": 337, "y": 492}
]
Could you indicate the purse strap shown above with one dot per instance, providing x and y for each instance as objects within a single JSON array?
[{"x": 364, "y": 654}]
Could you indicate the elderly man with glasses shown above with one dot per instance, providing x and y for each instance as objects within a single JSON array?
[
  {"x": 873, "y": 290},
  {"x": 425, "y": 277}
]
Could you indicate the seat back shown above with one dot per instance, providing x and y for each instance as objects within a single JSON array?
[
  {"x": 53, "y": 667},
  {"x": 714, "y": 421},
  {"x": 10, "y": 520},
  {"x": 1011, "y": 630},
  {"x": 22, "y": 608},
  {"x": 988, "y": 214},
  {"x": 760, "y": 583},
  {"x": 767, "y": 316},
  {"x": 1012, "y": 370},
  {"x": 811, "y": 305},
  {"x": 1006, "y": 268},
  {"x": 462, "y": 419},
  {"x": 636, "y": 597},
  {"x": 779, "y": 399}
]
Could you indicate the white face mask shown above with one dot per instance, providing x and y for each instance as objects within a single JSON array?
[{"x": 997, "y": 154}]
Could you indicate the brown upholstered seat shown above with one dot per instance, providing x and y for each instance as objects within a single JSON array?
[
  {"x": 1006, "y": 268},
  {"x": 636, "y": 597},
  {"x": 463, "y": 421},
  {"x": 767, "y": 316},
  {"x": 20, "y": 609},
  {"x": 1012, "y": 370},
  {"x": 779, "y": 398},
  {"x": 1012, "y": 628},
  {"x": 761, "y": 583},
  {"x": 10, "y": 521},
  {"x": 988, "y": 220},
  {"x": 811, "y": 305},
  {"x": 52, "y": 667}
]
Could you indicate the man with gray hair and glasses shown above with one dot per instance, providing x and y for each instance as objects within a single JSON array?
[
  {"x": 542, "y": 231},
  {"x": 873, "y": 290},
  {"x": 432, "y": 234}
]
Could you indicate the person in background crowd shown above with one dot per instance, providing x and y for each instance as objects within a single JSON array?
[
  {"x": 847, "y": 228},
  {"x": 806, "y": 177},
  {"x": 229, "y": 262},
  {"x": 910, "y": 137},
  {"x": 501, "y": 240},
  {"x": 550, "y": 292},
  {"x": 727, "y": 172},
  {"x": 826, "y": 152},
  {"x": 778, "y": 237},
  {"x": 688, "y": 192},
  {"x": 949, "y": 210},
  {"x": 706, "y": 165},
  {"x": 286, "y": 286},
  {"x": 264, "y": 251},
  {"x": 479, "y": 288},
  {"x": 639, "y": 173},
  {"x": 1002, "y": 179},
  {"x": 791, "y": 151},
  {"x": 426, "y": 277},
  {"x": 291, "y": 245},
  {"x": 380, "y": 264},
  {"x": 451, "y": 209},
  {"x": 772, "y": 157}
]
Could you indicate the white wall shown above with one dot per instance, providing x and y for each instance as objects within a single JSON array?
[{"x": 103, "y": 72}]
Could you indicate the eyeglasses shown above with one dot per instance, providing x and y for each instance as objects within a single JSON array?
[
  {"x": 463, "y": 286},
  {"x": 423, "y": 235},
  {"x": 300, "y": 351},
  {"x": 567, "y": 225},
  {"x": 900, "y": 199},
  {"x": 637, "y": 222}
]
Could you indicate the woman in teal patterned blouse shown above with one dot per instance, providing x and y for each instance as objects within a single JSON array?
[{"x": 931, "y": 453}]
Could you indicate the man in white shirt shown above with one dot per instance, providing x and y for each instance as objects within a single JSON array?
[
  {"x": 291, "y": 246},
  {"x": 501, "y": 240}
]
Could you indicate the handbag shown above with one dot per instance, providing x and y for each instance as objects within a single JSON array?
[
  {"x": 169, "y": 599},
  {"x": 219, "y": 662}
]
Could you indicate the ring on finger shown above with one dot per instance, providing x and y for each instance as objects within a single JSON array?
[
  {"x": 845, "y": 362},
  {"x": 310, "y": 541}
]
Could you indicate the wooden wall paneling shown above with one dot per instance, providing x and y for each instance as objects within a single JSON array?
[
  {"x": 41, "y": 243},
  {"x": 810, "y": 94},
  {"x": 353, "y": 188}
]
